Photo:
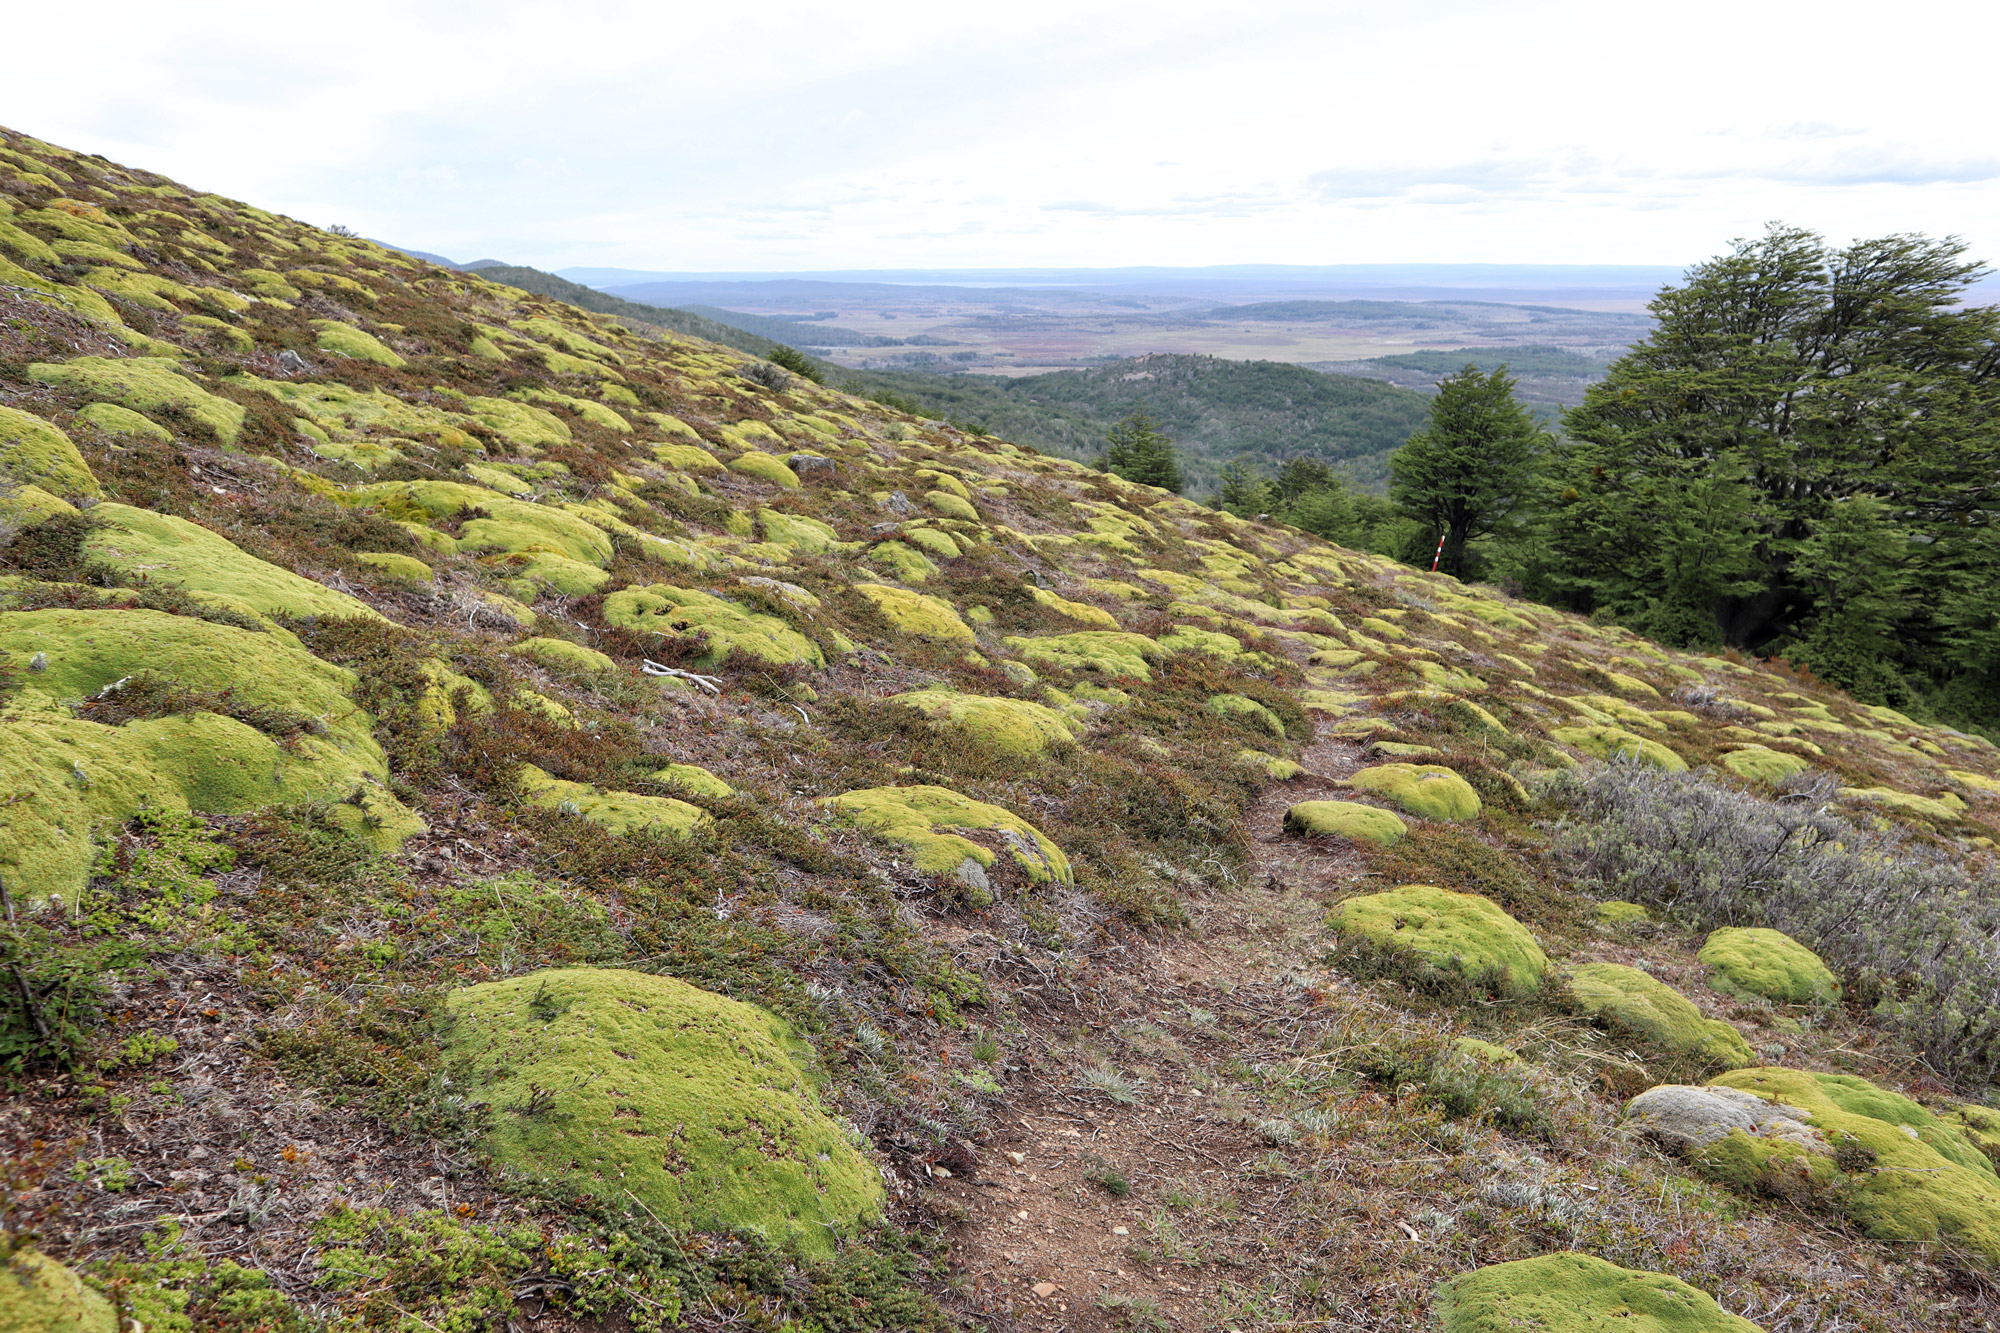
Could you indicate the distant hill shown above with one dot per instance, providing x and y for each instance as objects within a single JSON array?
[
  {"x": 1263, "y": 412},
  {"x": 1546, "y": 378},
  {"x": 792, "y": 332}
]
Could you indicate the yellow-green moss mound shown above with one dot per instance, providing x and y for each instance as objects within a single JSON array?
[
  {"x": 39, "y": 1295},
  {"x": 1245, "y": 709},
  {"x": 913, "y": 817},
  {"x": 1617, "y": 743},
  {"x": 148, "y": 384},
  {"x": 1760, "y": 763},
  {"x": 355, "y": 344},
  {"x": 1431, "y": 791},
  {"x": 34, "y": 453},
  {"x": 1577, "y": 1293},
  {"x": 1755, "y": 961},
  {"x": 619, "y": 811},
  {"x": 1895, "y": 1169},
  {"x": 916, "y": 615},
  {"x": 1627, "y": 1000},
  {"x": 694, "y": 779},
  {"x": 1003, "y": 728},
  {"x": 764, "y": 467},
  {"x": 1112, "y": 652},
  {"x": 1460, "y": 936},
  {"x": 174, "y": 551},
  {"x": 562, "y": 655},
  {"x": 78, "y": 779},
  {"x": 606, "y": 1081},
  {"x": 723, "y": 627},
  {"x": 1347, "y": 819}
]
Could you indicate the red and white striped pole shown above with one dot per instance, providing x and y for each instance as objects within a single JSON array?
[{"x": 1440, "y": 551}]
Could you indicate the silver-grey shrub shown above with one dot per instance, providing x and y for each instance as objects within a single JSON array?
[{"x": 1901, "y": 922}]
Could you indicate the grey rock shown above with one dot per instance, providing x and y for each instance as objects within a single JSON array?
[
  {"x": 898, "y": 503},
  {"x": 1681, "y": 1117},
  {"x": 293, "y": 364},
  {"x": 809, "y": 465}
]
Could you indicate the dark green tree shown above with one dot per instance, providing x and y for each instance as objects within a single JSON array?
[
  {"x": 1243, "y": 490},
  {"x": 1469, "y": 470},
  {"x": 1137, "y": 451}
]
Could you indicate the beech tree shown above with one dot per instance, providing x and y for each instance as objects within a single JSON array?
[{"x": 1469, "y": 469}]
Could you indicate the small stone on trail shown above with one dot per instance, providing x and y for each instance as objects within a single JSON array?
[{"x": 1044, "y": 1289}]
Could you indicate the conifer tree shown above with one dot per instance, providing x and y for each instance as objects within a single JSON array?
[
  {"x": 1467, "y": 472},
  {"x": 1137, "y": 451}
]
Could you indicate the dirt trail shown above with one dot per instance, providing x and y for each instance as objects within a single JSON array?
[{"x": 1167, "y": 1211}]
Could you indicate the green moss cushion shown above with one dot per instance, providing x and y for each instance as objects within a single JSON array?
[
  {"x": 39, "y": 1295},
  {"x": 1627, "y": 1000},
  {"x": 619, "y": 811},
  {"x": 1347, "y": 819},
  {"x": 35, "y": 453},
  {"x": 1457, "y": 934},
  {"x": 998, "y": 728},
  {"x": 1756, "y": 961},
  {"x": 1617, "y": 743},
  {"x": 1247, "y": 710},
  {"x": 1760, "y": 763},
  {"x": 1430, "y": 790},
  {"x": 1895, "y": 1169},
  {"x": 918, "y": 616},
  {"x": 148, "y": 384},
  {"x": 562, "y": 655},
  {"x": 914, "y": 817},
  {"x": 605, "y": 1081},
  {"x": 175, "y": 551},
  {"x": 723, "y": 627},
  {"x": 1576, "y": 1293},
  {"x": 1112, "y": 652}
]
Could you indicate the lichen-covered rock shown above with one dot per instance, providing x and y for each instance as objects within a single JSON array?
[
  {"x": 1895, "y": 1169},
  {"x": 35, "y": 453},
  {"x": 1431, "y": 791},
  {"x": 723, "y": 627},
  {"x": 1752, "y": 960},
  {"x": 1000, "y": 728},
  {"x": 1347, "y": 819},
  {"x": 619, "y": 811},
  {"x": 148, "y": 384},
  {"x": 39, "y": 1295},
  {"x": 1629, "y": 1001},
  {"x": 1603, "y": 742},
  {"x": 188, "y": 556},
  {"x": 623, "y": 1085},
  {"x": 1760, "y": 763},
  {"x": 1112, "y": 652},
  {"x": 917, "y": 615},
  {"x": 1457, "y": 935},
  {"x": 1578, "y": 1293},
  {"x": 912, "y": 817}
]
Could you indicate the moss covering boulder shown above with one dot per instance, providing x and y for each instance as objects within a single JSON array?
[
  {"x": 1110, "y": 652},
  {"x": 1459, "y": 937},
  {"x": 997, "y": 728},
  {"x": 1753, "y": 960},
  {"x": 918, "y": 616},
  {"x": 724, "y": 628},
  {"x": 146, "y": 384},
  {"x": 1633, "y": 1003},
  {"x": 188, "y": 556},
  {"x": 35, "y": 453},
  {"x": 623, "y": 1085},
  {"x": 917, "y": 817},
  {"x": 79, "y": 779},
  {"x": 1608, "y": 743},
  {"x": 1347, "y": 819},
  {"x": 1431, "y": 791},
  {"x": 1892, "y": 1167},
  {"x": 1578, "y": 1293},
  {"x": 619, "y": 811},
  {"x": 39, "y": 1295}
]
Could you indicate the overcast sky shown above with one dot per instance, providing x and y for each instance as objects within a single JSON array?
[{"x": 782, "y": 136}]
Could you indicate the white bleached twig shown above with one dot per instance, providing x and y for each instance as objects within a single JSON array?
[{"x": 713, "y": 684}]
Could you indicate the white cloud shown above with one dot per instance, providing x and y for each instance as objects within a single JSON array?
[{"x": 788, "y": 135}]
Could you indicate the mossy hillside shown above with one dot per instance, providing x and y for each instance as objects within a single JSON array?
[
  {"x": 1004, "y": 728},
  {"x": 912, "y": 817},
  {"x": 1629, "y": 1001},
  {"x": 1754, "y": 960},
  {"x": 1441, "y": 934},
  {"x": 1347, "y": 819},
  {"x": 39, "y": 1295},
  {"x": 34, "y": 453},
  {"x": 1578, "y": 1293},
  {"x": 724, "y": 628},
  {"x": 1430, "y": 791},
  {"x": 1108, "y": 652},
  {"x": 622, "y": 1084},
  {"x": 503, "y": 523}
]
